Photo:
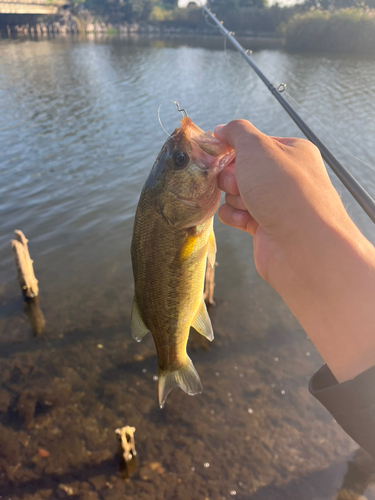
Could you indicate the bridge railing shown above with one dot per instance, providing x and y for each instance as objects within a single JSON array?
[{"x": 30, "y": 6}]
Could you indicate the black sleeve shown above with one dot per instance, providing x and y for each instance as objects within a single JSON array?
[{"x": 352, "y": 403}]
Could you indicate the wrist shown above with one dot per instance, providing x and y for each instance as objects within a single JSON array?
[{"x": 329, "y": 285}]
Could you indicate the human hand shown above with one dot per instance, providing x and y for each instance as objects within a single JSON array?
[
  {"x": 305, "y": 244},
  {"x": 279, "y": 192}
]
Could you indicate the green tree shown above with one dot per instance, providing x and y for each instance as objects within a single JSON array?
[{"x": 122, "y": 10}]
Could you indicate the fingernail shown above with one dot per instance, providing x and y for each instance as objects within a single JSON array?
[{"x": 237, "y": 217}]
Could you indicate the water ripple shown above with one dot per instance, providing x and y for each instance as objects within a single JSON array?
[{"x": 79, "y": 130}]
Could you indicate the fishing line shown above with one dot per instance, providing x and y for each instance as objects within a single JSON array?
[
  {"x": 330, "y": 133},
  {"x": 282, "y": 88},
  {"x": 227, "y": 56},
  {"x": 205, "y": 17},
  {"x": 231, "y": 62},
  {"x": 234, "y": 72},
  {"x": 360, "y": 194},
  {"x": 183, "y": 111}
]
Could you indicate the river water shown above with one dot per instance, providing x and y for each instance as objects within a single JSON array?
[{"x": 78, "y": 135}]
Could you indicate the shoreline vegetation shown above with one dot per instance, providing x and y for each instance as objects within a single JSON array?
[
  {"x": 324, "y": 26},
  {"x": 350, "y": 30}
]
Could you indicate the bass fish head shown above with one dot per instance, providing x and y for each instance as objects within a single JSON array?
[{"x": 184, "y": 178}]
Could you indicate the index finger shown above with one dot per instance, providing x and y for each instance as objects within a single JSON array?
[
  {"x": 227, "y": 180},
  {"x": 237, "y": 131}
]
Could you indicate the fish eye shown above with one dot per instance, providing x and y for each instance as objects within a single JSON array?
[{"x": 180, "y": 159}]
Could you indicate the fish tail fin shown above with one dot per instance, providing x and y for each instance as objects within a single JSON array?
[{"x": 185, "y": 377}]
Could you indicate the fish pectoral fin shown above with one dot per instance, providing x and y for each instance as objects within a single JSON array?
[
  {"x": 138, "y": 328},
  {"x": 202, "y": 322},
  {"x": 188, "y": 246},
  {"x": 185, "y": 377},
  {"x": 211, "y": 248}
]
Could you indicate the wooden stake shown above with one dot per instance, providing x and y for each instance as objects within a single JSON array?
[
  {"x": 125, "y": 435},
  {"x": 24, "y": 265},
  {"x": 28, "y": 283},
  {"x": 35, "y": 315}
]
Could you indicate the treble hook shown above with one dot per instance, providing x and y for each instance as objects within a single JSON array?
[{"x": 181, "y": 110}]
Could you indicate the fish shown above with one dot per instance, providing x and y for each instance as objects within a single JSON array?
[{"x": 172, "y": 239}]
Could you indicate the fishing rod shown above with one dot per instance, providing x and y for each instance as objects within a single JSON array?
[{"x": 355, "y": 189}]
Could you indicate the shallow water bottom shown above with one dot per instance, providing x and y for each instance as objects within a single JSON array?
[{"x": 254, "y": 433}]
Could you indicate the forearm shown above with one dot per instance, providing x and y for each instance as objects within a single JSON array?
[
  {"x": 305, "y": 244},
  {"x": 329, "y": 285}
]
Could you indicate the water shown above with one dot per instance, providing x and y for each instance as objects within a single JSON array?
[{"x": 78, "y": 135}]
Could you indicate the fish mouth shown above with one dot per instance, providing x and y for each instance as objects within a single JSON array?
[{"x": 207, "y": 152}]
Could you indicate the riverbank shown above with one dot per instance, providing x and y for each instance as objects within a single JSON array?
[
  {"x": 344, "y": 31},
  {"x": 100, "y": 31},
  {"x": 255, "y": 23},
  {"x": 67, "y": 23}
]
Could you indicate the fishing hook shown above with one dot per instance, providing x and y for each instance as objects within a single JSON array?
[{"x": 183, "y": 111}]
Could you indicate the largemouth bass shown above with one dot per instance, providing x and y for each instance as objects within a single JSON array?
[{"x": 172, "y": 238}]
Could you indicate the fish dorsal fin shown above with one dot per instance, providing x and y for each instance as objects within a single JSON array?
[
  {"x": 138, "y": 328},
  {"x": 202, "y": 322},
  {"x": 185, "y": 377},
  {"x": 211, "y": 248}
]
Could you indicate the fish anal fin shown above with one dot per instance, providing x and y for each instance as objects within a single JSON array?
[
  {"x": 211, "y": 248},
  {"x": 202, "y": 322},
  {"x": 186, "y": 377},
  {"x": 138, "y": 328}
]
